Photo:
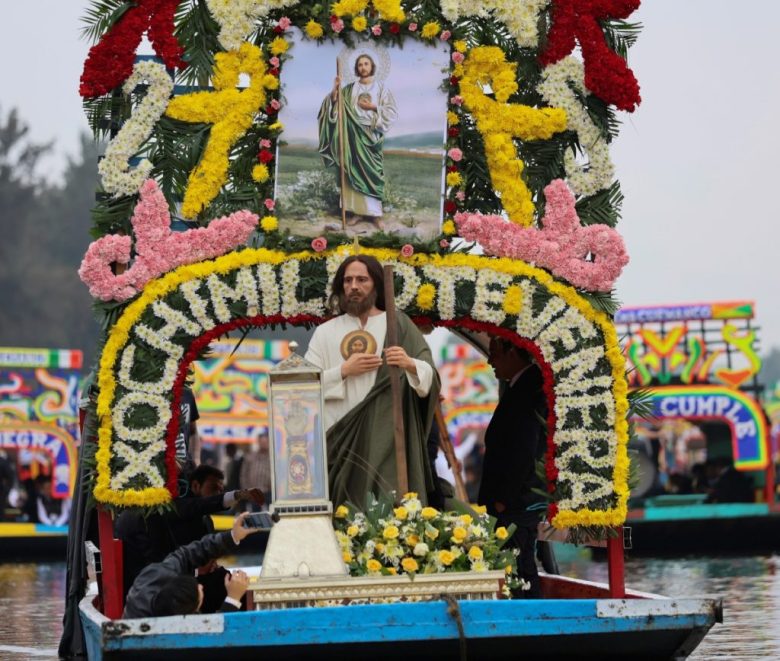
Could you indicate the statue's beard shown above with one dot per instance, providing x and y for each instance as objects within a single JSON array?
[{"x": 357, "y": 306}]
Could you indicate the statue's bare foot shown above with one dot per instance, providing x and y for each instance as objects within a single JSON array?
[{"x": 377, "y": 222}]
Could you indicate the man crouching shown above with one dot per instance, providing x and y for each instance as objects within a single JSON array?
[{"x": 170, "y": 588}]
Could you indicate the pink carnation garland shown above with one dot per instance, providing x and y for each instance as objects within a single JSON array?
[
  {"x": 560, "y": 246},
  {"x": 158, "y": 249}
]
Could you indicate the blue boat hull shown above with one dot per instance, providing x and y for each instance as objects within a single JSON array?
[{"x": 546, "y": 628}]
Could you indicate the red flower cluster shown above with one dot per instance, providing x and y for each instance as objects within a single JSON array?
[
  {"x": 265, "y": 156},
  {"x": 450, "y": 207},
  {"x": 110, "y": 61},
  {"x": 606, "y": 73}
]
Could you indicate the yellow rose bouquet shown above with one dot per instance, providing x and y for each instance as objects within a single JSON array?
[{"x": 389, "y": 539}]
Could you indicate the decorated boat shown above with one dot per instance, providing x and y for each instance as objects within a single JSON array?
[
  {"x": 241, "y": 178},
  {"x": 698, "y": 364},
  {"x": 39, "y": 436}
]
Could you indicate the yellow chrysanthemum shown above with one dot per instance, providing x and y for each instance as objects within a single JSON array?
[
  {"x": 276, "y": 126},
  {"x": 452, "y": 118},
  {"x": 353, "y": 530},
  {"x": 413, "y": 540},
  {"x": 426, "y": 295},
  {"x": 475, "y": 553},
  {"x": 454, "y": 179},
  {"x": 279, "y": 46},
  {"x": 448, "y": 227},
  {"x": 446, "y": 558},
  {"x": 501, "y": 532},
  {"x": 373, "y": 565},
  {"x": 391, "y": 532},
  {"x": 460, "y": 45},
  {"x": 466, "y": 519},
  {"x": 400, "y": 513},
  {"x": 429, "y": 513},
  {"x": 314, "y": 30},
  {"x": 359, "y": 23},
  {"x": 409, "y": 564},
  {"x": 341, "y": 512},
  {"x": 260, "y": 173},
  {"x": 379, "y": 547},
  {"x": 430, "y": 30},
  {"x": 269, "y": 224}
]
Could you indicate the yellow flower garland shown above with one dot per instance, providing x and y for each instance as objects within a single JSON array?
[
  {"x": 161, "y": 287},
  {"x": 231, "y": 111},
  {"x": 499, "y": 121}
]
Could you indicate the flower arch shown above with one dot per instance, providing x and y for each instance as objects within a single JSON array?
[{"x": 179, "y": 314}]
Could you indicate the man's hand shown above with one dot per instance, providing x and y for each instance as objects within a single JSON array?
[
  {"x": 253, "y": 495},
  {"x": 397, "y": 357},
  {"x": 238, "y": 531},
  {"x": 336, "y": 84},
  {"x": 236, "y": 584},
  {"x": 360, "y": 363},
  {"x": 365, "y": 104}
]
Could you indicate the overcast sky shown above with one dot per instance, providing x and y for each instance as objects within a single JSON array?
[{"x": 697, "y": 160}]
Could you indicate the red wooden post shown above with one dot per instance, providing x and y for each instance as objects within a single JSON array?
[
  {"x": 616, "y": 566},
  {"x": 111, "y": 563}
]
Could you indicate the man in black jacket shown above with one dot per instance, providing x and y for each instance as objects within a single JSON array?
[
  {"x": 515, "y": 441},
  {"x": 169, "y": 587}
]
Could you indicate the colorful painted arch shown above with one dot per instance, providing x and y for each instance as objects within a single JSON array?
[{"x": 743, "y": 415}]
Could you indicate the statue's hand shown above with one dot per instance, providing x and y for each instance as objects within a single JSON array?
[{"x": 360, "y": 363}]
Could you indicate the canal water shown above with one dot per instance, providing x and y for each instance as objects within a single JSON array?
[{"x": 32, "y": 598}]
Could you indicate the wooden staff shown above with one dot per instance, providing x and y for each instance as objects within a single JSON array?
[
  {"x": 449, "y": 453},
  {"x": 395, "y": 385},
  {"x": 340, "y": 105}
]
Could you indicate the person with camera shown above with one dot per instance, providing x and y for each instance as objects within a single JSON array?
[{"x": 170, "y": 587}]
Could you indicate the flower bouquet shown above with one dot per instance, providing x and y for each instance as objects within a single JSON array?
[{"x": 385, "y": 540}]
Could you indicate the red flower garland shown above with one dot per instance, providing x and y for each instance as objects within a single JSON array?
[
  {"x": 548, "y": 381},
  {"x": 110, "y": 61},
  {"x": 606, "y": 73},
  {"x": 196, "y": 346},
  {"x": 204, "y": 340}
]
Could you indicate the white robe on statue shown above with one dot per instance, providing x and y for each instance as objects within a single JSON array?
[{"x": 342, "y": 395}]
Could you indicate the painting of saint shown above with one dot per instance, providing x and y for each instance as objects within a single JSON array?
[
  {"x": 369, "y": 111},
  {"x": 362, "y": 150}
]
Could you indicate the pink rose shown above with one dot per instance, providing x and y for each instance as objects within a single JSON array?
[
  {"x": 376, "y": 30},
  {"x": 269, "y": 204},
  {"x": 284, "y": 22},
  {"x": 461, "y": 195},
  {"x": 458, "y": 57},
  {"x": 407, "y": 250},
  {"x": 412, "y": 27},
  {"x": 444, "y": 36},
  {"x": 275, "y": 104},
  {"x": 455, "y": 154},
  {"x": 319, "y": 244},
  {"x": 457, "y": 100},
  {"x": 444, "y": 243},
  {"x": 337, "y": 25},
  {"x": 274, "y": 62},
  {"x": 265, "y": 143}
]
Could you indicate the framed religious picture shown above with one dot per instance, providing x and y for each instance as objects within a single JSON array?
[
  {"x": 297, "y": 446},
  {"x": 364, "y": 139}
]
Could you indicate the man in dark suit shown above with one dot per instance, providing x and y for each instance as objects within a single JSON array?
[{"x": 515, "y": 441}]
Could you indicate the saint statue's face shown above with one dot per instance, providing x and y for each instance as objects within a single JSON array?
[
  {"x": 364, "y": 66},
  {"x": 358, "y": 346},
  {"x": 358, "y": 285}
]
